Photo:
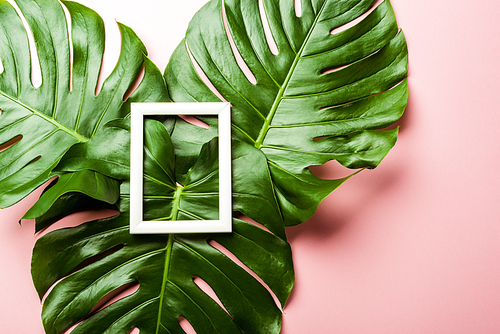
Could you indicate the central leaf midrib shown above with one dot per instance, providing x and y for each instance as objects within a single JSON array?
[
  {"x": 168, "y": 255},
  {"x": 52, "y": 121},
  {"x": 277, "y": 100}
]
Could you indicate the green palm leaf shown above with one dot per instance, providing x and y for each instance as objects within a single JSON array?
[
  {"x": 64, "y": 110},
  {"x": 321, "y": 97},
  {"x": 164, "y": 266}
]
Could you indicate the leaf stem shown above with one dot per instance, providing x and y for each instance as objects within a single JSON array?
[
  {"x": 177, "y": 201},
  {"x": 168, "y": 256},
  {"x": 170, "y": 242}
]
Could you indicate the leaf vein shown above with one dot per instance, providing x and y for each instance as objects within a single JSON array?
[
  {"x": 52, "y": 121},
  {"x": 217, "y": 269},
  {"x": 277, "y": 100}
]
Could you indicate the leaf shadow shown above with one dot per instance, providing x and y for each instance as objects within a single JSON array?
[
  {"x": 331, "y": 216},
  {"x": 404, "y": 121},
  {"x": 342, "y": 208}
]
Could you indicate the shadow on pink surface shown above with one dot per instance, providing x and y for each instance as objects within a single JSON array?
[{"x": 333, "y": 219}]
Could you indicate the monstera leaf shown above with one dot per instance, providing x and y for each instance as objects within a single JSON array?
[
  {"x": 165, "y": 267},
  {"x": 64, "y": 110},
  {"x": 321, "y": 95}
]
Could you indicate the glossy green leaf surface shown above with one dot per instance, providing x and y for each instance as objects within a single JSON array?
[
  {"x": 251, "y": 196},
  {"x": 87, "y": 182},
  {"x": 322, "y": 96},
  {"x": 164, "y": 266},
  {"x": 64, "y": 110}
]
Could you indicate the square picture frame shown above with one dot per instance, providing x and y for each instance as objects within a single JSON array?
[{"x": 138, "y": 111}]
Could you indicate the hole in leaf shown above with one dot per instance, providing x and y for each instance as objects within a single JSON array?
[
  {"x": 357, "y": 20},
  {"x": 347, "y": 104},
  {"x": 202, "y": 75},
  {"x": 69, "y": 330},
  {"x": 108, "y": 299},
  {"x": 36, "y": 73},
  {"x": 10, "y": 143},
  {"x": 338, "y": 68},
  {"x": 112, "y": 47},
  {"x": 70, "y": 42},
  {"x": 267, "y": 30},
  {"x": 401, "y": 122},
  {"x": 79, "y": 218},
  {"x": 52, "y": 182},
  {"x": 205, "y": 287},
  {"x": 298, "y": 8},
  {"x": 233, "y": 258},
  {"x": 239, "y": 215},
  {"x": 115, "y": 295},
  {"x": 239, "y": 60},
  {"x": 330, "y": 170},
  {"x": 394, "y": 125},
  {"x": 35, "y": 160},
  {"x": 319, "y": 138},
  {"x": 96, "y": 258},
  {"x": 1, "y": 71},
  {"x": 133, "y": 86},
  {"x": 88, "y": 262},
  {"x": 127, "y": 288},
  {"x": 391, "y": 88},
  {"x": 333, "y": 69},
  {"x": 186, "y": 326},
  {"x": 195, "y": 121},
  {"x": 341, "y": 105}
]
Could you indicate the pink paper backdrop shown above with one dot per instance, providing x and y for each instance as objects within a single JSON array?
[{"x": 411, "y": 247}]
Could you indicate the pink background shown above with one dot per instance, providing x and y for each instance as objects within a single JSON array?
[{"x": 410, "y": 247}]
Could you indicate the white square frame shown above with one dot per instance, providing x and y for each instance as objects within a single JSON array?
[{"x": 138, "y": 111}]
